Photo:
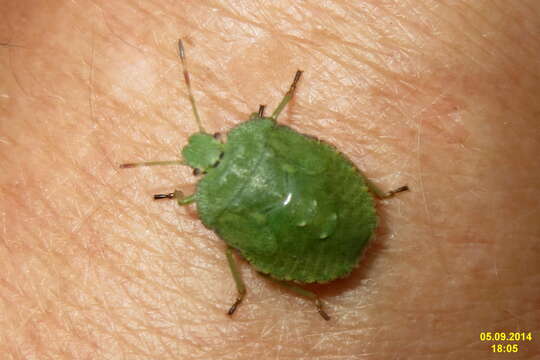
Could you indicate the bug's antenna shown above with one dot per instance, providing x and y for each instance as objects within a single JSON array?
[
  {"x": 288, "y": 96},
  {"x": 182, "y": 54}
]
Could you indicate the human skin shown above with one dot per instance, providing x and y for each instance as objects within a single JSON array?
[{"x": 439, "y": 95}]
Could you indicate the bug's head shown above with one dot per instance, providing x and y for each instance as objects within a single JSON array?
[{"x": 202, "y": 151}]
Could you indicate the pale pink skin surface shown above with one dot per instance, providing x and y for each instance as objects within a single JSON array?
[{"x": 440, "y": 95}]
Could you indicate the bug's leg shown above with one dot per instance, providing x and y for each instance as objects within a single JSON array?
[
  {"x": 258, "y": 114},
  {"x": 261, "y": 110},
  {"x": 240, "y": 286},
  {"x": 178, "y": 195},
  {"x": 306, "y": 293},
  {"x": 151, "y": 163},
  {"x": 288, "y": 96},
  {"x": 384, "y": 194}
]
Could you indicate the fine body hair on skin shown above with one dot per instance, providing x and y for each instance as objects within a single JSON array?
[{"x": 439, "y": 95}]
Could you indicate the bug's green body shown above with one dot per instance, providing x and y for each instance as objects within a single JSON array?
[{"x": 294, "y": 207}]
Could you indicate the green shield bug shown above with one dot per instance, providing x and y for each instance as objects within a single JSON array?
[{"x": 293, "y": 206}]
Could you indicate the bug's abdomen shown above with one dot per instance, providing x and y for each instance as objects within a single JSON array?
[{"x": 302, "y": 213}]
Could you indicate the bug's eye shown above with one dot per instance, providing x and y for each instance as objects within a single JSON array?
[
  {"x": 196, "y": 171},
  {"x": 219, "y": 160},
  {"x": 217, "y": 136}
]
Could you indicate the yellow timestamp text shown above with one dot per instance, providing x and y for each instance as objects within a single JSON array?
[
  {"x": 502, "y": 338},
  {"x": 506, "y": 336},
  {"x": 505, "y": 348}
]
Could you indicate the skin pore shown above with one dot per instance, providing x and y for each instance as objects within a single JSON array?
[{"x": 439, "y": 95}]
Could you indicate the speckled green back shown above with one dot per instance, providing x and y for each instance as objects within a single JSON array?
[{"x": 293, "y": 206}]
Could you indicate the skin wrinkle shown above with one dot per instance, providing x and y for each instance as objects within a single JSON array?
[
  {"x": 133, "y": 191},
  {"x": 495, "y": 27},
  {"x": 91, "y": 81},
  {"x": 495, "y": 50},
  {"x": 13, "y": 72},
  {"x": 454, "y": 46}
]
